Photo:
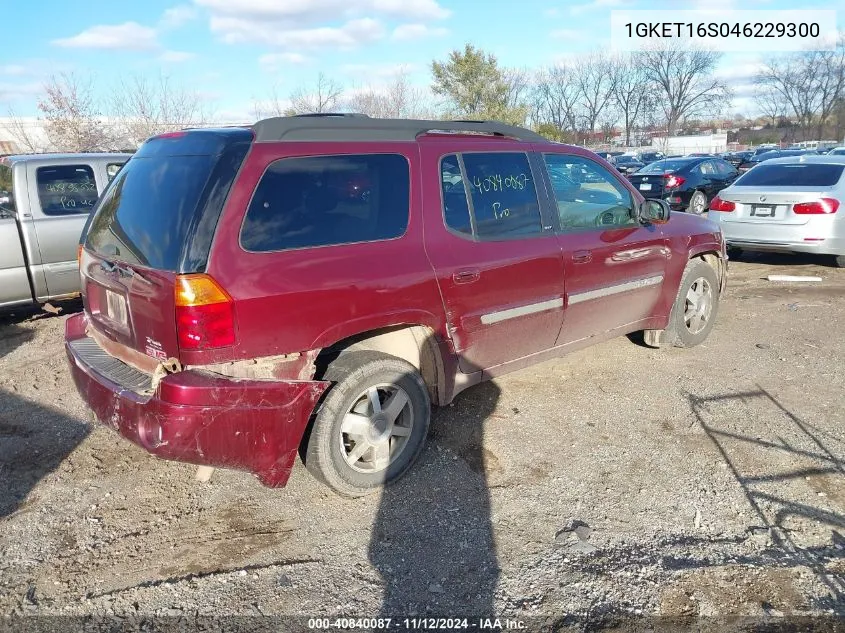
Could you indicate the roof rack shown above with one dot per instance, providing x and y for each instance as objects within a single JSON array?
[{"x": 360, "y": 127}]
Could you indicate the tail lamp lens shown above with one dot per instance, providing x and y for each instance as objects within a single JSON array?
[
  {"x": 717, "y": 204},
  {"x": 822, "y": 206},
  {"x": 205, "y": 314}
]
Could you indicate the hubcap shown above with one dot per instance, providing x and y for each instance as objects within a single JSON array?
[
  {"x": 698, "y": 305},
  {"x": 376, "y": 428},
  {"x": 698, "y": 204}
]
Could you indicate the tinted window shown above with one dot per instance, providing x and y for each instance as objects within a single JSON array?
[
  {"x": 66, "y": 189},
  {"x": 664, "y": 167},
  {"x": 708, "y": 168},
  {"x": 7, "y": 195},
  {"x": 504, "y": 199},
  {"x": 724, "y": 168},
  {"x": 455, "y": 206},
  {"x": 800, "y": 175},
  {"x": 587, "y": 195},
  {"x": 327, "y": 200},
  {"x": 112, "y": 169}
]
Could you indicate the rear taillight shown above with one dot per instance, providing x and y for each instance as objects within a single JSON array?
[
  {"x": 717, "y": 204},
  {"x": 673, "y": 181},
  {"x": 817, "y": 207},
  {"x": 205, "y": 314}
]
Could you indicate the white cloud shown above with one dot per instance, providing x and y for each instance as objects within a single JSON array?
[
  {"x": 552, "y": 13},
  {"x": 176, "y": 16},
  {"x": 127, "y": 36},
  {"x": 368, "y": 71},
  {"x": 276, "y": 61},
  {"x": 176, "y": 57},
  {"x": 417, "y": 32},
  {"x": 347, "y": 36},
  {"x": 15, "y": 70},
  {"x": 596, "y": 5},
  {"x": 736, "y": 72},
  {"x": 568, "y": 34},
  {"x": 303, "y": 11}
]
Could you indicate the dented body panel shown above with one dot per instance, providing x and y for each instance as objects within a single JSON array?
[{"x": 199, "y": 417}]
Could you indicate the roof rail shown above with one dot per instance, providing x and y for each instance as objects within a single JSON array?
[{"x": 357, "y": 127}]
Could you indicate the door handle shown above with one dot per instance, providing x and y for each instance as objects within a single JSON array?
[
  {"x": 582, "y": 257},
  {"x": 465, "y": 276}
]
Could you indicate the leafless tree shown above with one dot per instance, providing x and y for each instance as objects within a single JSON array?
[
  {"x": 684, "y": 78},
  {"x": 74, "y": 122},
  {"x": 771, "y": 103},
  {"x": 555, "y": 98},
  {"x": 322, "y": 96},
  {"x": 399, "y": 99},
  {"x": 22, "y": 134},
  {"x": 595, "y": 78},
  {"x": 145, "y": 108},
  {"x": 631, "y": 93}
]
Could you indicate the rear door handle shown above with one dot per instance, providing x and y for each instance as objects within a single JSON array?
[
  {"x": 465, "y": 276},
  {"x": 582, "y": 257}
]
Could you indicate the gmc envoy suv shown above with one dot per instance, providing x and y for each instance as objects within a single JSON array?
[{"x": 313, "y": 284}]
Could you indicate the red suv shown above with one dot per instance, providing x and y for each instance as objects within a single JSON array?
[{"x": 315, "y": 283}]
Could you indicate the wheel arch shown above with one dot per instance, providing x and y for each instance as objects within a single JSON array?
[{"x": 415, "y": 343}]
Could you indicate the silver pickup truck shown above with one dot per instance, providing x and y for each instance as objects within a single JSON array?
[{"x": 45, "y": 200}]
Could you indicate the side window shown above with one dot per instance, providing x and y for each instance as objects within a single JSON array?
[
  {"x": 708, "y": 168},
  {"x": 587, "y": 196},
  {"x": 66, "y": 189},
  {"x": 328, "y": 200},
  {"x": 504, "y": 198},
  {"x": 725, "y": 168},
  {"x": 455, "y": 206},
  {"x": 112, "y": 169}
]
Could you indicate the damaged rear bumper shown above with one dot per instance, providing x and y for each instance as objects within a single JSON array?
[{"x": 199, "y": 417}]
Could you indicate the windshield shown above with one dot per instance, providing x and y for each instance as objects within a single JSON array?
[
  {"x": 626, "y": 159},
  {"x": 664, "y": 167},
  {"x": 792, "y": 175}
]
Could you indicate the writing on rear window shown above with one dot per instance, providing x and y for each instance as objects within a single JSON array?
[
  {"x": 328, "y": 200},
  {"x": 66, "y": 189}
]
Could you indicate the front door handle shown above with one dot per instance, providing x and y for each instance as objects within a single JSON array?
[
  {"x": 582, "y": 257},
  {"x": 465, "y": 276}
]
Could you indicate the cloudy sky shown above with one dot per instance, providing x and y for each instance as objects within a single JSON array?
[{"x": 236, "y": 52}]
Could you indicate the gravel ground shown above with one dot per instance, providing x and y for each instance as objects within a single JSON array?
[{"x": 618, "y": 481}]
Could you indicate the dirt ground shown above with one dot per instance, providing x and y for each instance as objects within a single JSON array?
[{"x": 618, "y": 481}]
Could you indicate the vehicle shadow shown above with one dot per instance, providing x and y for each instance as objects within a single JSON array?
[
  {"x": 13, "y": 336},
  {"x": 34, "y": 440},
  {"x": 782, "y": 259},
  {"x": 432, "y": 540},
  {"x": 811, "y": 458}
]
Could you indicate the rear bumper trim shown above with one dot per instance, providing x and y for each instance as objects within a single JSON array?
[{"x": 200, "y": 417}]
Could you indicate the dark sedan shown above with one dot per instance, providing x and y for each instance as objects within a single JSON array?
[
  {"x": 687, "y": 184},
  {"x": 737, "y": 158},
  {"x": 627, "y": 164}
]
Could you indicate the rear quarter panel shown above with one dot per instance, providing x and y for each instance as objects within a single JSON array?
[{"x": 297, "y": 300}]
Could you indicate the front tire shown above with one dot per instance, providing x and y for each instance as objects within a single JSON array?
[
  {"x": 698, "y": 203},
  {"x": 372, "y": 424},
  {"x": 839, "y": 261},
  {"x": 696, "y": 305}
]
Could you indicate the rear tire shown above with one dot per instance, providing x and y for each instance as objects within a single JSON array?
[
  {"x": 839, "y": 261},
  {"x": 696, "y": 306},
  {"x": 734, "y": 252},
  {"x": 698, "y": 203},
  {"x": 372, "y": 424}
]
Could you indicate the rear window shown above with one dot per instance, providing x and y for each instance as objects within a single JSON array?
[
  {"x": 161, "y": 208},
  {"x": 66, "y": 189},
  {"x": 304, "y": 202},
  {"x": 7, "y": 195},
  {"x": 796, "y": 175},
  {"x": 664, "y": 167}
]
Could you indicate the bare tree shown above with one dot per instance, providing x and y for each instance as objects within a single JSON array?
[
  {"x": 631, "y": 93},
  {"x": 399, "y": 99},
  {"x": 684, "y": 77},
  {"x": 555, "y": 98},
  {"x": 73, "y": 119},
  {"x": 595, "y": 79},
  {"x": 323, "y": 96},
  {"x": 145, "y": 108},
  {"x": 22, "y": 134},
  {"x": 771, "y": 103}
]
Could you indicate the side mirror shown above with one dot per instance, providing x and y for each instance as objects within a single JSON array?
[{"x": 654, "y": 212}]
